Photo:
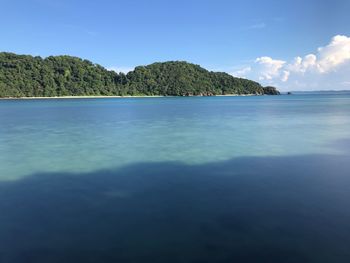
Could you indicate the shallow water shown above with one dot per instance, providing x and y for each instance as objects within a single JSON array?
[
  {"x": 93, "y": 134},
  {"x": 219, "y": 179}
]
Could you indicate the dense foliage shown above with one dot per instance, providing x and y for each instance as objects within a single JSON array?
[
  {"x": 27, "y": 76},
  {"x": 271, "y": 91}
]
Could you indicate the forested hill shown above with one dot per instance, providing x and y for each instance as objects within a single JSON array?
[{"x": 28, "y": 76}]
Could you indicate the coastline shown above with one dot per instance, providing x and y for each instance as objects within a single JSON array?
[
  {"x": 118, "y": 97},
  {"x": 76, "y": 97}
]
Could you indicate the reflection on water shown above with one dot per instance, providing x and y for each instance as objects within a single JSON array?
[{"x": 253, "y": 209}]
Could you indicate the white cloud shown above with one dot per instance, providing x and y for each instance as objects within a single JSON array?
[
  {"x": 269, "y": 68},
  {"x": 242, "y": 72},
  {"x": 322, "y": 70},
  {"x": 334, "y": 54},
  {"x": 301, "y": 65},
  {"x": 121, "y": 69},
  {"x": 285, "y": 75}
]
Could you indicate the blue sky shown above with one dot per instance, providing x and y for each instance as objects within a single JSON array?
[{"x": 256, "y": 39}]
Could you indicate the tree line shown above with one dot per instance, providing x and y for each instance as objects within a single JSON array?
[{"x": 28, "y": 76}]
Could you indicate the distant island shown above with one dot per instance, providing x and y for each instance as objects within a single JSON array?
[{"x": 57, "y": 76}]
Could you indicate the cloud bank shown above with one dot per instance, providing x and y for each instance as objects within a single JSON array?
[{"x": 328, "y": 68}]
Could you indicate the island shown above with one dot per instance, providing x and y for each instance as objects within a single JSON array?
[{"x": 24, "y": 76}]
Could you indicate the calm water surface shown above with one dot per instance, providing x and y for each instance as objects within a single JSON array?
[{"x": 217, "y": 179}]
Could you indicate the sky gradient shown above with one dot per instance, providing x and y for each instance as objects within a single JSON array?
[{"x": 273, "y": 42}]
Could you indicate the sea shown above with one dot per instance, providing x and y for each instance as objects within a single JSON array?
[{"x": 176, "y": 179}]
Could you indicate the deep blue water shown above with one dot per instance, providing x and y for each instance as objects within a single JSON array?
[{"x": 219, "y": 179}]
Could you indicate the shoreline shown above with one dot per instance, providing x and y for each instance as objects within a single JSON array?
[{"x": 120, "y": 97}]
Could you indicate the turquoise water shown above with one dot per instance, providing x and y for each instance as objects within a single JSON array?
[
  {"x": 91, "y": 134},
  {"x": 212, "y": 179}
]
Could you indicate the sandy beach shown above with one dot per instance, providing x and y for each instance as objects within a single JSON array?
[{"x": 120, "y": 97}]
